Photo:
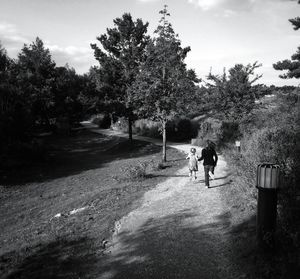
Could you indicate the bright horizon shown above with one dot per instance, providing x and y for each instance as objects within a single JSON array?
[{"x": 221, "y": 33}]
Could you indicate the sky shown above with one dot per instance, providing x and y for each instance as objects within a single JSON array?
[{"x": 221, "y": 33}]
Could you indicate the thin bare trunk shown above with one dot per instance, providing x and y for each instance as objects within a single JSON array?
[
  {"x": 130, "y": 128},
  {"x": 164, "y": 134}
]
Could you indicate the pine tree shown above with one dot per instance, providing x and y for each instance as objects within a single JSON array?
[
  {"x": 233, "y": 95},
  {"x": 291, "y": 66},
  {"x": 36, "y": 71}
]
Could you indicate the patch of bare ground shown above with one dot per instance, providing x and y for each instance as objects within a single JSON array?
[{"x": 56, "y": 216}]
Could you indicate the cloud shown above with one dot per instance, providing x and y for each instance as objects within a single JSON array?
[
  {"x": 147, "y": 1},
  {"x": 80, "y": 58},
  {"x": 231, "y": 5},
  {"x": 11, "y": 39},
  {"x": 206, "y": 4}
]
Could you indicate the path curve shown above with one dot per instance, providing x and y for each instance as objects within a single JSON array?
[{"x": 180, "y": 229}]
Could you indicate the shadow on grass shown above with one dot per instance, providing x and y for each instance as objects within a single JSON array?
[
  {"x": 220, "y": 185},
  {"x": 170, "y": 247},
  {"x": 69, "y": 156},
  {"x": 60, "y": 259},
  {"x": 164, "y": 175}
]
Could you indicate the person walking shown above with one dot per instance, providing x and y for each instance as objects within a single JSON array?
[
  {"x": 193, "y": 163},
  {"x": 210, "y": 159}
]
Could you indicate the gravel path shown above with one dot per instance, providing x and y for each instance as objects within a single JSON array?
[{"x": 181, "y": 230}]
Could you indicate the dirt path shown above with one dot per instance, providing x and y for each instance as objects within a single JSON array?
[{"x": 181, "y": 230}]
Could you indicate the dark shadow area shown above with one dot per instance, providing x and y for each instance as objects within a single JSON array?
[
  {"x": 223, "y": 177},
  {"x": 220, "y": 185},
  {"x": 170, "y": 248},
  {"x": 257, "y": 261},
  {"x": 72, "y": 155},
  {"x": 163, "y": 175},
  {"x": 179, "y": 159},
  {"x": 59, "y": 259}
]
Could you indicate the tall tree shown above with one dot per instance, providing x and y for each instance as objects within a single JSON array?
[
  {"x": 123, "y": 49},
  {"x": 291, "y": 66},
  {"x": 164, "y": 88},
  {"x": 67, "y": 89},
  {"x": 233, "y": 95},
  {"x": 36, "y": 71},
  {"x": 15, "y": 115}
]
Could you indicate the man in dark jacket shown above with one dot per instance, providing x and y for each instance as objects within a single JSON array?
[{"x": 210, "y": 159}]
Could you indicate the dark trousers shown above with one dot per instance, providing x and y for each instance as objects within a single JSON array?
[{"x": 208, "y": 168}]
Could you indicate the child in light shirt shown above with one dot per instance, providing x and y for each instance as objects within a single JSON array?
[{"x": 193, "y": 163}]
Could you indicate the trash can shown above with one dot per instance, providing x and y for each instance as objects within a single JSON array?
[
  {"x": 238, "y": 145},
  {"x": 267, "y": 184}
]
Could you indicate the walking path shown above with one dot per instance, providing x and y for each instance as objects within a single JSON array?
[{"x": 181, "y": 230}]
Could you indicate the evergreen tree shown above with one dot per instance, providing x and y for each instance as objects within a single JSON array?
[
  {"x": 291, "y": 66},
  {"x": 36, "y": 71},
  {"x": 164, "y": 88},
  {"x": 123, "y": 49},
  {"x": 15, "y": 114},
  {"x": 67, "y": 89},
  {"x": 233, "y": 95}
]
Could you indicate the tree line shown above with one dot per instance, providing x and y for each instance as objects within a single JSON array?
[{"x": 138, "y": 76}]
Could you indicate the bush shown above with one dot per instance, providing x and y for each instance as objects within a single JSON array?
[
  {"x": 148, "y": 128},
  {"x": 228, "y": 132},
  {"x": 181, "y": 129},
  {"x": 209, "y": 129},
  {"x": 102, "y": 120},
  {"x": 134, "y": 172}
]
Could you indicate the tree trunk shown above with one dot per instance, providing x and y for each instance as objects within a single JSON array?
[
  {"x": 164, "y": 134},
  {"x": 111, "y": 121},
  {"x": 130, "y": 128}
]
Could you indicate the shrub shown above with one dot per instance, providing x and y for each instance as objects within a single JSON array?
[
  {"x": 228, "y": 132},
  {"x": 102, "y": 120},
  {"x": 209, "y": 129},
  {"x": 121, "y": 125},
  {"x": 181, "y": 129},
  {"x": 148, "y": 128},
  {"x": 134, "y": 172},
  {"x": 156, "y": 165}
]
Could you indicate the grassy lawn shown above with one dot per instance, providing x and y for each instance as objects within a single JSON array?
[{"x": 89, "y": 173}]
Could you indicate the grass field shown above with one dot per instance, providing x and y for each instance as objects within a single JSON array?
[{"x": 56, "y": 216}]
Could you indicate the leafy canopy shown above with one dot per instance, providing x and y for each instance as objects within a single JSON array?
[
  {"x": 164, "y": 86},
  {"x": 122, "y": 50},
  {"x": 233, "y": 95}
]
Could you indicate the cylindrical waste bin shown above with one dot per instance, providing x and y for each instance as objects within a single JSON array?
[
  {"x": 267, "y": 183},
  {"x": 238, "y": 145}
]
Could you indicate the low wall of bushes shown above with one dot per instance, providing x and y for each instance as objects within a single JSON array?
[{"x": 179, "y": 129}]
